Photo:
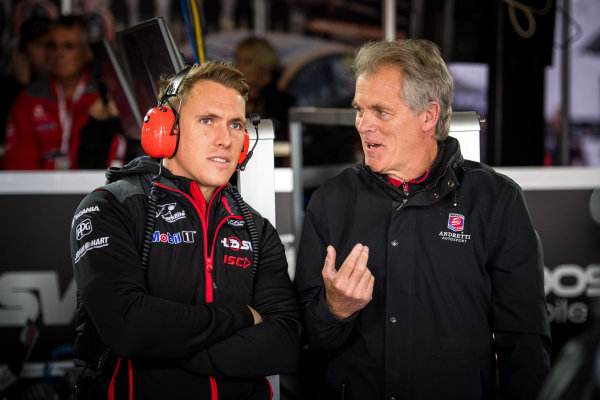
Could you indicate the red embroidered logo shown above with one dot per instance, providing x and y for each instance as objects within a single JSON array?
[
  {"x": 456, "y": 222},
  {"x": 242, "y": 262}
]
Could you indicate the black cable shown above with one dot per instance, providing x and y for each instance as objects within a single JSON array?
[
  {"x": 150, "y": 220},
  {"x": 254, "y": 238},
  {"x": 102, "y": 360}
]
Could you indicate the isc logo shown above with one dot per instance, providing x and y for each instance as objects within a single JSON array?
[{"x": 237, "y": 261}]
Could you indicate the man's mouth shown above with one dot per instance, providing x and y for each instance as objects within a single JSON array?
[
  {"x": 218, "y": 159},
  {"x": 371, "y": 146}
]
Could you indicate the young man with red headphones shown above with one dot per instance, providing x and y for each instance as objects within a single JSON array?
[{"x": 183, "y": 289}]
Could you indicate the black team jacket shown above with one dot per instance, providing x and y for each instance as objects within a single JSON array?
[
  {"x": 458, "y": 280},
  {"x": 182, "y": 328}
]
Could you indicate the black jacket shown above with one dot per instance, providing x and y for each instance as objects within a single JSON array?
[
  {"x": 182, "y": 328},
  {"x": 458, "y": 278}
]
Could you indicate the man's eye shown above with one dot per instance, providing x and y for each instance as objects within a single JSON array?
[
  {"x": 236, "y": 125},
  {"x": 359, "y": 111},
  {"x": 205, "y": 121}
]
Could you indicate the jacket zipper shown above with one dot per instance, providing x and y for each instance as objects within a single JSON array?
[{"x": 209, "y": 266}]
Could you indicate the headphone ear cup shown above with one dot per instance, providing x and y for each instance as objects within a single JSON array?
[
  {"x": 244, "y": 152},
  {"x": 160, "y": 132}
]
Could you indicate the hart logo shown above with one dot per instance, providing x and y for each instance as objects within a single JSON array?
[
  {"x": 88, "y": 246},
  {"x": 456, "y": 222},
  {"x": 236, "y": 244},
  {"x": 166, "y": 212},
  {"x": 84, "y": 228}
]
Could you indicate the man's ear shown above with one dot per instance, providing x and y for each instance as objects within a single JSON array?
[{"x": 431, "y": 116}]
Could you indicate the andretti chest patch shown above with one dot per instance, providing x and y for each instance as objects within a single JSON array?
[
  {"x": 456, "y": 222},
  {"x": 456, "y": 225}
]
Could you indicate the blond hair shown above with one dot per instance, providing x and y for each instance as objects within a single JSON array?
[{"x": 222, "y": 73}]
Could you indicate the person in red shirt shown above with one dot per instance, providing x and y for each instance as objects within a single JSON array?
[{"x": 46, "y": 119}]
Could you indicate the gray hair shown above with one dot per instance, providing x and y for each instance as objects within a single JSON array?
[{"x": 425, "y": 75}]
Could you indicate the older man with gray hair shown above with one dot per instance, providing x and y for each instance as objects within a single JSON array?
[{"x": 420, "y": 273}]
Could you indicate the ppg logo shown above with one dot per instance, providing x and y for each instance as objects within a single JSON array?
[{"x": 84, "y": 228}]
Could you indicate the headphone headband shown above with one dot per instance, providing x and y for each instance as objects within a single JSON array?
[{"x": 173, "y": 86}]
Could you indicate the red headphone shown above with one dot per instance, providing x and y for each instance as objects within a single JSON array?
[{"x": 160, "y": 129}]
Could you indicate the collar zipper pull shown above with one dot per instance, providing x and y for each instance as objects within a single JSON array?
[{"x": 209, "y": 265}]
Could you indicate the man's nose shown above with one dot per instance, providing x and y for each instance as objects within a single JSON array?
[
  {"x": 364, "y": 123},
  {"x": 223, "y": 137}
]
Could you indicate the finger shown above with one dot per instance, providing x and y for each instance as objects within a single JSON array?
[
  {"x": 361, "y": 261},
  {"x": 350, "y": 261},
  {"x": 365, "y": 286},
  {"x": 370, "y": 287},
  {"x": 329, "y": 264},
  {"x": 360, "y": 276},
  {"x": 360, "y": 268}
]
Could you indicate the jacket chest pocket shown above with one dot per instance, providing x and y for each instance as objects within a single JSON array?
[{"x": 233, "y": 276}]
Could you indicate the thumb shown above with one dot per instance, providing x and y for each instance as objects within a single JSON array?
[{"x": 329, "y": 265}]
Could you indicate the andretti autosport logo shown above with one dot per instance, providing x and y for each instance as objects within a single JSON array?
[
  {"x": 456, "y": 222},
  {"x": 456, "y": 225}
]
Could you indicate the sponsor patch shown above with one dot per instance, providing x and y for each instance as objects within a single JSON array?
[
  {"x": 454, "y": 237},
  {"x": 39, "y": 112},
  {"x": 174, "y": 238},
  {"x": 84, "y": 211},
  {"x": 44, "y": 127},
  {"x": 235, "y": 222},
  {"x": 241, "y": 262},
  {"x": 92, "y": 244},
  {"x": 236, "y": 244},
  {"x": 84, "y": 228},
  {"x": 168, "y": 212},
  {"x": 456, "y": 222}
]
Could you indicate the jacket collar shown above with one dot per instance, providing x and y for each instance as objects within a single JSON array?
[
  {"x": 443, "y": 179},
  {"x": 150, "y": 167}
]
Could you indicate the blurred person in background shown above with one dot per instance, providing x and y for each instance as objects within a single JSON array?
[
  {"x": 44, "y": 125},
  {"x": 27, "y": 62},
  {"x": 99, "y": 18},
  {"x": 259, "y": 62},
  {"x": 24, "y": 10}
]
